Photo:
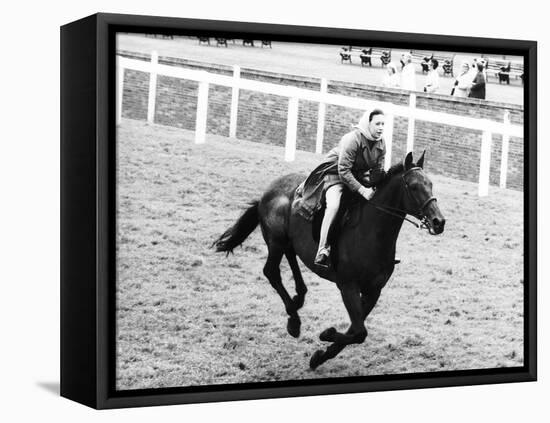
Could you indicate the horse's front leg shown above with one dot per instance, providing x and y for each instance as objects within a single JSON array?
[
  {"x": 369, "y": 300},
  {"x": 319, "y": 357},
  {"x": 357, "y": 332}
]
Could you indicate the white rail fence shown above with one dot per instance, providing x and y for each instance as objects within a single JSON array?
[{"x": 294, "y": 94}]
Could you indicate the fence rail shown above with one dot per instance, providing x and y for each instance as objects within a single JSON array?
[{"x": 294, "y": 94}]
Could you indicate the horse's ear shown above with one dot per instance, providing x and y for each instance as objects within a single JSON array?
[
  {"x": 420, "y": 162},
  {"x": 407, "y": 163}
]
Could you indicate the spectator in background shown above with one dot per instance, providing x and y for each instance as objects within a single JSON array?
[
  {"x": 473, "y": 70},
  {"x": 432, "y": 80},
  {"x": 463, "y": 81},
  {"x": 408, "y": 75},
  {"x": 477, "y": 89},
  {"x": 484, "y": 63},
  {"x": 391, "y": 79}
]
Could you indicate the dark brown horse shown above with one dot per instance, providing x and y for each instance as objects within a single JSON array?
[{"x": 365, "y": 251}]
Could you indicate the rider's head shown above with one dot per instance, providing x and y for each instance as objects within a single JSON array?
[{"x": 376, "y": 123}]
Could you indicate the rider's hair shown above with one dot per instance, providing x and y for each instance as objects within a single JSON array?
[{"x": 374, "y": 113}]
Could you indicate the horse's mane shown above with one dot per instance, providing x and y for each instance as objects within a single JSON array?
[{"x": 396, "y": 169}]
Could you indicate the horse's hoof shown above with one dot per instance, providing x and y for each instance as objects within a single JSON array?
[
  {"x": 328, "y": 335},
  {"x": 316, "y": 359},
  {"x": 298, "y": 301},
  {"x": 293, "y": 326}
]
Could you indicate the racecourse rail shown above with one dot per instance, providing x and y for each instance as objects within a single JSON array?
[{"x": 294, "y": 94}]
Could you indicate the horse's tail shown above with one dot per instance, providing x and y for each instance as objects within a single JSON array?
[{"x": 236, "y": 234}]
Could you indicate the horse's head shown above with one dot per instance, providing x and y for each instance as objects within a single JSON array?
[
  {"x": 418, "y": 199},
  {"x": 410, "y": 191}
]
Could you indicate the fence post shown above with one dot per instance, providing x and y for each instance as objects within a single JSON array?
[
  {"x": 321, "y": 119},
  {"x": 119, "y": 90},
  {"x": 291, "y": 128},
  {"x": 234, "y": 103},
  {"x": 152, "y": 88},
  {"x": 202, "y": 110},
  {"x": 388, "y": 138},
  {"x": 485, "y": 164},
  {"x": 505, "y": 148},
  {"x": 410, "y": 129}
]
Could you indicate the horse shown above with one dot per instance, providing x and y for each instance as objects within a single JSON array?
[{"x": 365, "y": 250}]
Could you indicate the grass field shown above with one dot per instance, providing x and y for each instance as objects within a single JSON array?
[
  {"x": 312, "y": 60},
  {"x": 189, "y": 316}
]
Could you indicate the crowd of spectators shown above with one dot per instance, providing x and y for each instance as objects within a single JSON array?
[{"x": 470, "y": 82}]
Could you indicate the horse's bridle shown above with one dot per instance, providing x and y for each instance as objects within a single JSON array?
[
  {"x": 420, "y": 211},
  {"x": 402, "y": 214}
]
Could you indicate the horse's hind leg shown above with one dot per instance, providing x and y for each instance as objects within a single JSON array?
[
  {"x": 272, "y": 272},
  {"x": 301, "y": 289}
]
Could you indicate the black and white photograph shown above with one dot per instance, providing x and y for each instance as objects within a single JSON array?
[
  {"x": 268, "y": 212},
  {"x": 292, "y": 211}
]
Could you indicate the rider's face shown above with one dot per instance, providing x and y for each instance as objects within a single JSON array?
[{"x": 376, "y": 126}]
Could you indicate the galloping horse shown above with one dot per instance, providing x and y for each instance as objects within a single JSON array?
[{"x": 365, "y": 251}]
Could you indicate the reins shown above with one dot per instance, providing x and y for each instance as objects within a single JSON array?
[{"x": 394, "y": 211}]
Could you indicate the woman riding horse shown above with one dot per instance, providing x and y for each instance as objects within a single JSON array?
[
  {"x": 357, "y": 161},
  {"x": 365, "y": 248}
]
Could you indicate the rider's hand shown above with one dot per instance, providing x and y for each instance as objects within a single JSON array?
[{"x": 366, "y": 193}]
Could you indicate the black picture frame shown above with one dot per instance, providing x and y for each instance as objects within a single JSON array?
[{"x": 88, "y": 211}]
